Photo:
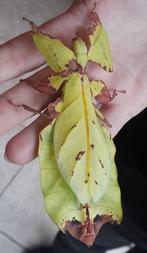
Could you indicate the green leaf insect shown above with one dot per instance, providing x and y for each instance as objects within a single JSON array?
[{"x": 76, "y": 152}]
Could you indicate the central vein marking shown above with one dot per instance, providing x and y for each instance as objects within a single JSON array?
[{"x": 87, "y": 133}]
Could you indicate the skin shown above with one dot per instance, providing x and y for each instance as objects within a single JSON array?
[{"x": 125, "y": 24}]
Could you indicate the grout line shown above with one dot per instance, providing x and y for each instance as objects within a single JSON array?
[
  {"x": 13, "y": 240},
  {"x": 11, "y": 180}
]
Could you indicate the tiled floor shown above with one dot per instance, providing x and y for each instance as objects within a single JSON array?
[{"x": 23, "y": 221}]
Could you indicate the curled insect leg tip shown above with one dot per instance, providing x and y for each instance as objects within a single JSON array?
[
  {"x": 121, "y": 91},
  {"x": 113, "y": 93},
  {"x": 26, "y": 19},
  {"x": 33, "y": 26}
]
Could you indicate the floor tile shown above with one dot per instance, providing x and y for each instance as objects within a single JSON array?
[
  {"x": 11, "y": 23},
  {"x": 7, "y": 246},
  {"x": 7, "y": 170},
  {"x": 22, "y": 214}
]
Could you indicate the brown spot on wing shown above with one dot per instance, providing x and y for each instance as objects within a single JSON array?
[
  {"x": 73, "y": 126},
  {"x": 71, "y": 67},
  {"x": 96, "y": 182},
  {"x": 110, "y": 70},
  {"x": 101, "y": 163},
  {"x": 79, "y": 155},
  {"x": 92, "y": 146}
]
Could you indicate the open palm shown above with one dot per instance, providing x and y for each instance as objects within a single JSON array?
[{"x": 125, "y": 23}]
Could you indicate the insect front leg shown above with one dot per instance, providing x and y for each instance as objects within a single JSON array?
[
  {"x": 50, "y": 113},
  {"x": 55, "y": 104}
]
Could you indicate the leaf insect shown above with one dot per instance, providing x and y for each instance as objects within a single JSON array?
[{"x": 76, "y": 151}]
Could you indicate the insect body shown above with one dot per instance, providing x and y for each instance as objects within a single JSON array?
[{"x": 76, "y": 153}]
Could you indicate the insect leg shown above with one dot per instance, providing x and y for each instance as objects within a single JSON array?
[
  {"x": 102, "y": 93},
  {"x": 101, "y": 117}
]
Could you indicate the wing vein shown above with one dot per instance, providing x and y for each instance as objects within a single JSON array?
[{"x": 87, "y": 132}]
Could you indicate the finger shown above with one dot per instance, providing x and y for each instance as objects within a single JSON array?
[
  {"x": 19, "y": 55},
  {"x": 23, "y": 147},
  {"x": 12, "y": 111}
]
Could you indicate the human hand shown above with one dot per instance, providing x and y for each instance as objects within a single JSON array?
[{"x": 125, "y": 23}]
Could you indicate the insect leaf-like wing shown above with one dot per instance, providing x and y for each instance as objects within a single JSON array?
[
  {"x": 60, "y": 202},
  {"x": 80, "y": 148},
  {"x": 99, "y": 51},
  {"x": 57, "y": 55},
  {"x": 76, "y": 152},
  {"x": 110, "y": 203}
]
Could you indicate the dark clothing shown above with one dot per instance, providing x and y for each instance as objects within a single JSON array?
[{"x": 132, "y": 170}]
